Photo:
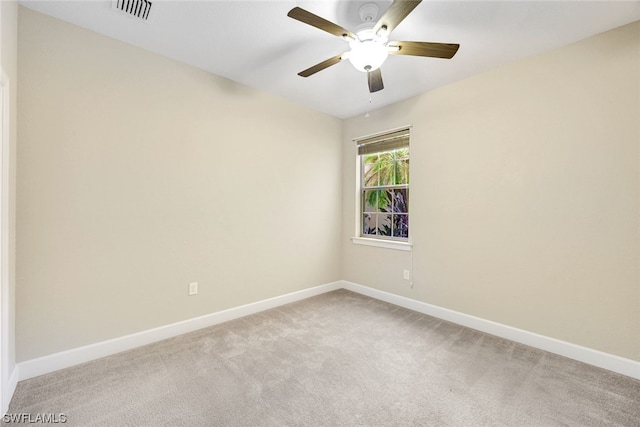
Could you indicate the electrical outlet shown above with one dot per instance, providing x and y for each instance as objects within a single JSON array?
[
  {"x": 406, "y": 275},
  {"x": 193, "y": 288}
]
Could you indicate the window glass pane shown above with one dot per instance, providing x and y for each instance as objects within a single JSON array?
[
  {"x": 401, "y": 225},
  {"x": 402, "y": 172},
  {"x": 368, "y": 224},
  {"x": 384, "y": 225},
  {"x": 385, "y": 201},
  {"x": 402, "y": 153},
  {"x": 370, "y": 170},
  {"x": 386, "y": 167},
  {"x": 370, "y": 200},
  {"x": 400, "y": 202}
]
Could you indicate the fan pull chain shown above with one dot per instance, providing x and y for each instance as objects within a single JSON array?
[{"x": 367, "y": 115}]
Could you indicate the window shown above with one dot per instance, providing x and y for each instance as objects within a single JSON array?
[{"x": 384, "y": 186}]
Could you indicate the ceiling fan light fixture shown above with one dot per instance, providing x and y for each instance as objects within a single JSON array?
[
  {"x": 370, "y": 45},
  {"x": 368, "y": 51}
]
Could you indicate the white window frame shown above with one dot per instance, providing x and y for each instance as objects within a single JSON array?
[{"x": 380, "y": 242}]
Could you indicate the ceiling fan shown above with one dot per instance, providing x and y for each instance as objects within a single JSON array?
[{"x": 371, "y": 46}]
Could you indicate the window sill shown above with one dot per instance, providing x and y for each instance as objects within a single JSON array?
[{"x": 387, "y": 244}]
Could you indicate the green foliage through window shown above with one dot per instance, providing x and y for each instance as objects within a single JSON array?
[{"x": 385, "y": 191}]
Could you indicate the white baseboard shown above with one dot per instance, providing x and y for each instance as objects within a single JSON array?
[
  {"x": 597, "y": 358},
  {"x": 53, "y": 362},
  {"x": 65, "y": 359},
  {"x": 11, "y": 385}
]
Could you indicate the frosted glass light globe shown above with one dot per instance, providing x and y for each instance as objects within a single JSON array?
[{"x": 368, "y": 51}]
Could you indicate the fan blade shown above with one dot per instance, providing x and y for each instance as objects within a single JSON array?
[
  {"x": 396, "y": 13},
  {"x": 309, "y": 18},
  {"x": 375, "y": 80},
  {"x": 321, "y": 66},
  {"x": 432, "y": 50}
]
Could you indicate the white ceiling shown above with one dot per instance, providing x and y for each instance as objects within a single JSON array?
[{"x": 255, "y": 43}]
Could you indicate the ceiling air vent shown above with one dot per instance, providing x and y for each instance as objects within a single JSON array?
[{"x": 139, "y": 9}]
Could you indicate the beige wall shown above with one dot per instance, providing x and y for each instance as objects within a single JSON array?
[
  {"x": 138, "y": 175},
  {"x": 524, "y": 195},
  {"x": 9, "y": 62}
]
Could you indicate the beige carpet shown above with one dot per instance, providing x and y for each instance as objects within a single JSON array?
[{"x": 339, "y": 359}]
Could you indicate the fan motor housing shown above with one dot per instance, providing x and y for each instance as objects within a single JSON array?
[{"x": 369, "y": 12}]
